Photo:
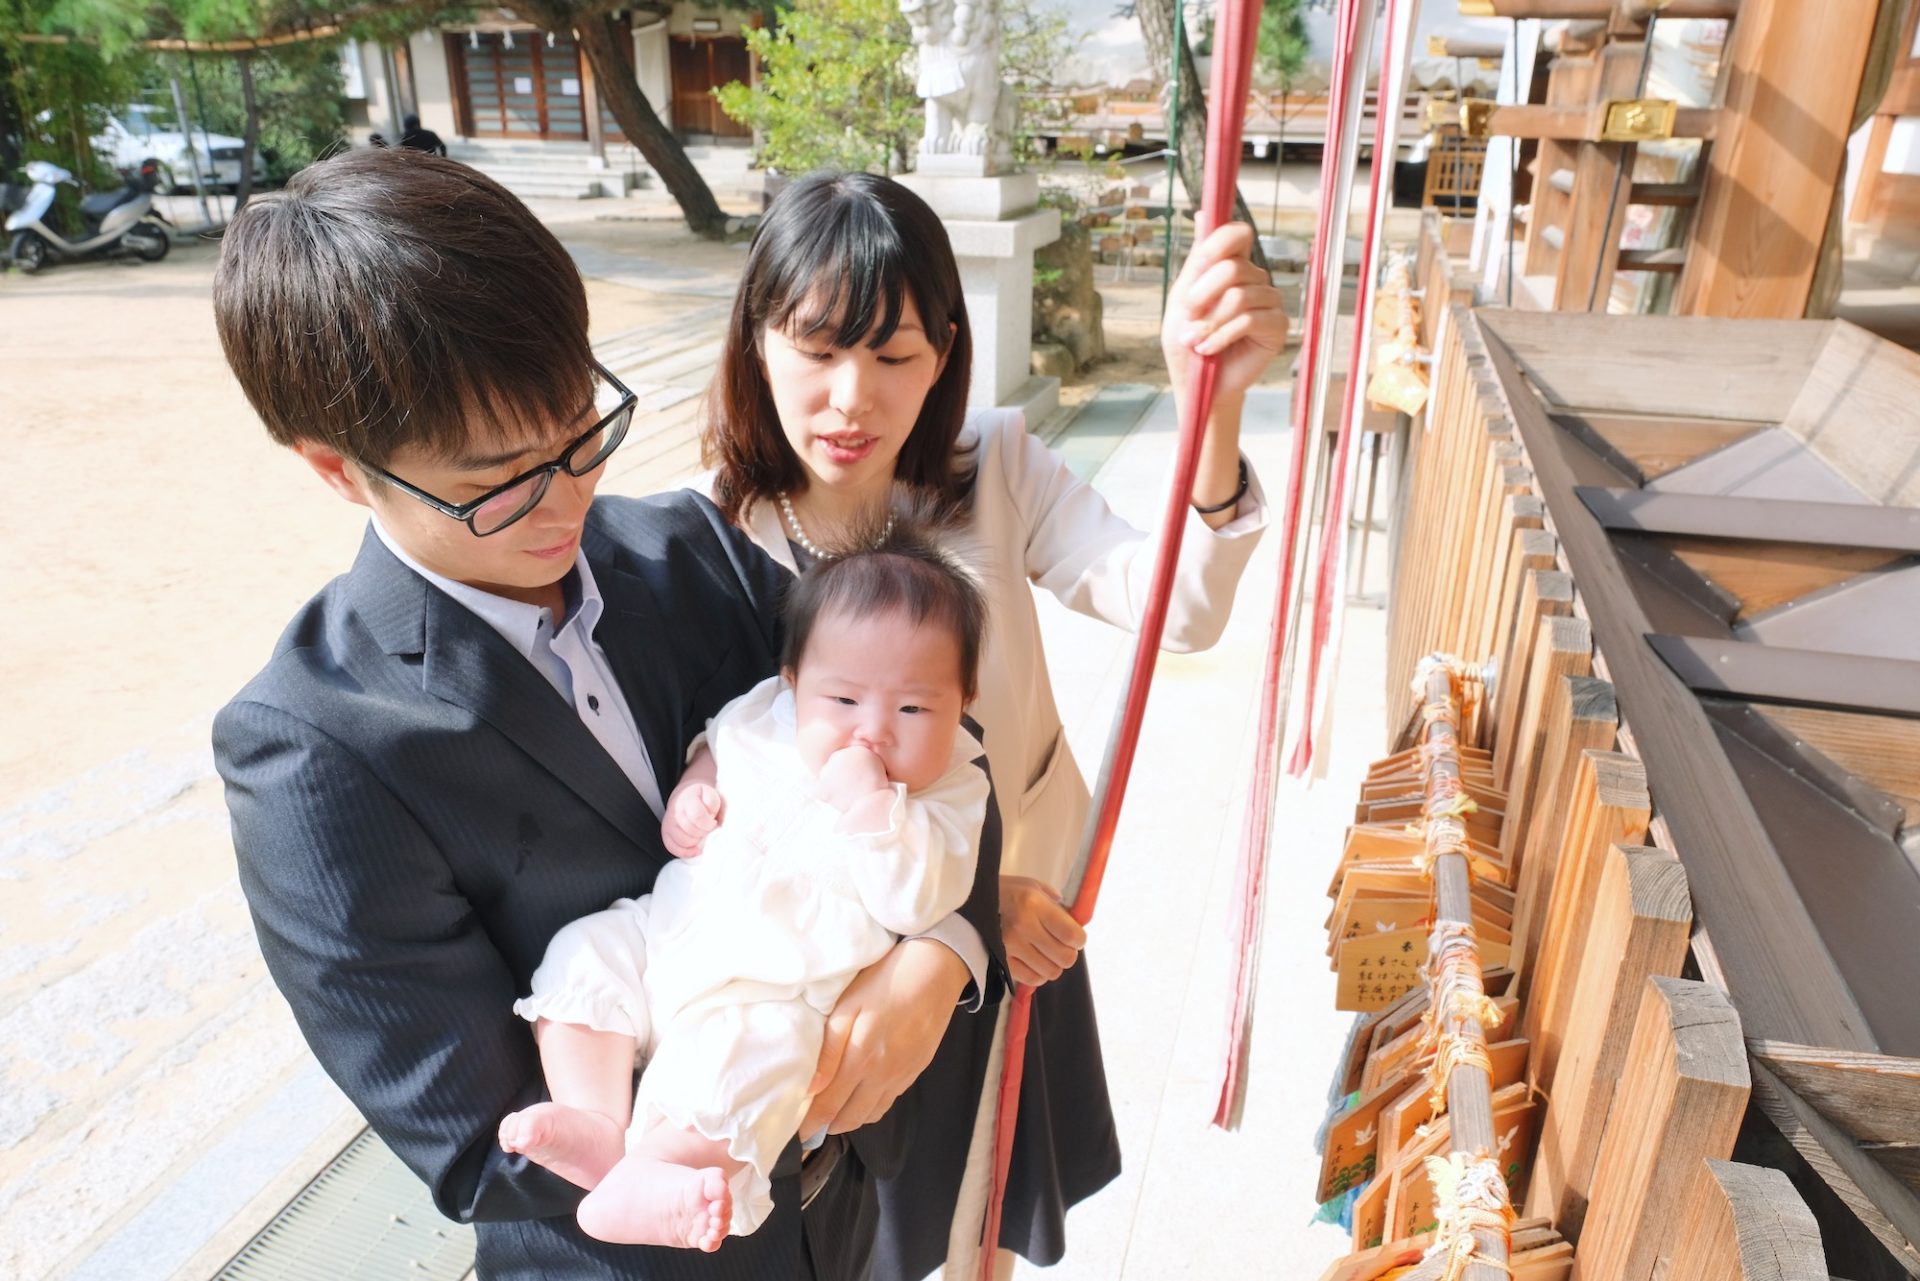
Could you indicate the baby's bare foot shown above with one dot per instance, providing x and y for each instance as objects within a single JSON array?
[
  {"x": 647, "y": 1202},
  {"x": 577, "y": 1145}
]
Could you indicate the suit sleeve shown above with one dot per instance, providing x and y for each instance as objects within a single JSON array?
[
  {"x": 397, "y": 988},
  {"x": 1098, "y": 564}
]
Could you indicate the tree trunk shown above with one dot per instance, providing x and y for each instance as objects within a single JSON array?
[
  {"x": 1156, "y": 24},
  {"x": 243, "y": 189},
  {"x": 639, "y": 121}
]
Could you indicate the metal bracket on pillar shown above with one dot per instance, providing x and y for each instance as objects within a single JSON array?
[{"x": 1638, "y": 120}]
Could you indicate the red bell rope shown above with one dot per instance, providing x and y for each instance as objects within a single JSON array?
[
  {"x": 1325, "y": 592},
  {"x": 1226, "y": 120},
  {"x": 1257, "y": 825}
]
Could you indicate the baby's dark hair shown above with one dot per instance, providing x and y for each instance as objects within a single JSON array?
[{"x": 902, "y": 570}]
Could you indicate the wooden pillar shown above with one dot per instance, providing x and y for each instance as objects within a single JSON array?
[
  {"x": 1639, "y": 919},
  {"x": 1746, "y": 1223},
  {"x": 1682, "y": 1093},
  {"x": 1602, "y": 181},
  {"x": 1792, "y": 79}
]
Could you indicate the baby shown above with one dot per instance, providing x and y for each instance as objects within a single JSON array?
[{"x": 829, "y": 810}]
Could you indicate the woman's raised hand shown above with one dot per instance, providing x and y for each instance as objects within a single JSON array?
[
  {"x": 1222, "y": 305},
  {"x": 1041, "y": 936}
]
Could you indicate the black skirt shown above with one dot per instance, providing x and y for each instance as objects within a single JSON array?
[{"x": 1065, "y": 1146}]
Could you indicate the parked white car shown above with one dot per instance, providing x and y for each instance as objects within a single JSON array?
[{"x": 140, "y": 130}]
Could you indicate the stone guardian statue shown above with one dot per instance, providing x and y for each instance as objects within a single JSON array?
[{"x": 969, "y": 108}]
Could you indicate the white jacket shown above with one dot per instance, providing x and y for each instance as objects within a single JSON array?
[{"x": 1034, "y": 521}]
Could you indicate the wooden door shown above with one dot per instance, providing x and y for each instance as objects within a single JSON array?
[{"x": 699, "y": 66}]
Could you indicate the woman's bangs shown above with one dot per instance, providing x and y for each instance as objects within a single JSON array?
[{"x": 848, "y": 281}]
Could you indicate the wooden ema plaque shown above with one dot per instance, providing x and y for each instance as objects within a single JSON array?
[
  {"x": 1394, "y": 1131},
  {"x": 1515, "y": 1121},
  {"x": 1377, "y": 969}
]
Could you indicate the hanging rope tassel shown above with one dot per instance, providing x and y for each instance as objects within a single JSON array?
[
  {"x": 1400, "y": 17},
  {"x": 1256, "y": 834},
  {"x": 1226, "y": 120}
]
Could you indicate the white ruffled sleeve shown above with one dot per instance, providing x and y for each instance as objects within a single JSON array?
[{"x": 918, "y": 867}]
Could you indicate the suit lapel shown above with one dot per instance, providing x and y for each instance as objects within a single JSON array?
[
  {"x": 632, "y": 637},
  {"x": 469, "y": 664}
]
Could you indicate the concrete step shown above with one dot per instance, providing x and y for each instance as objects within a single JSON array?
[
  {"x": 569, "y": 181},
  {"x": 603, "y": 182}
]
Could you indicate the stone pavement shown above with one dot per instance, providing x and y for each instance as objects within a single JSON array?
[{"x": 1193, "y": 1201}]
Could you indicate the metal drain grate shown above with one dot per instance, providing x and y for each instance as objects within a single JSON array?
[{"x": 364, "y": 1218}]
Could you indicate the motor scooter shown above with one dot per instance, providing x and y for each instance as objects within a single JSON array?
[{"x": 112, "y": 221}]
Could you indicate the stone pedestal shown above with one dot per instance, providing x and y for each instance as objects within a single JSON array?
[{"x": 995, "y": 224}]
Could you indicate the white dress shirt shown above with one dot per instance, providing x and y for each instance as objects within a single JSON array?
[{"x": 568, "y": 656}]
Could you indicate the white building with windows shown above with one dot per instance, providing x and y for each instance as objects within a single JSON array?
[{"x": 523, "y": 105}]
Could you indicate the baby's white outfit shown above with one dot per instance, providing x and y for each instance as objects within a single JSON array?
[{"x": 725, "y": 973}]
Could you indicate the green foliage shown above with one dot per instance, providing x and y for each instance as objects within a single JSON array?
[
  {"x": 1280, "y": 48},
  {"x": 72, "y": 86},
  {"x": 1035, "y": 42},
  {"x": 297, "y": 86},
  {"x": 834, "y": 89}
]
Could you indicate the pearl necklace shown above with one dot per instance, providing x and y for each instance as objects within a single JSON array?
[{"x": 808, "y": 546}]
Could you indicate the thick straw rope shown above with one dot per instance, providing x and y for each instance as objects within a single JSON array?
[{"x": 1472, "y": 1201}]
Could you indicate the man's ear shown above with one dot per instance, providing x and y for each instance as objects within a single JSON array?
[{"x": 333, "y": 467}]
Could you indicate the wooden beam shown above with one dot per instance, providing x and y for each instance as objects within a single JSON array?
[
  {"x": 1609, "y": 807},
  {"x": 1682, "y": 1093},
  {"x": 1854, "y": 411},
  {"x": 1887, "y": 1207},
  {"x": 1811, "y": 677},
  {"x": 1579, "y": 716},
  {"x": 1772, "y": 520},
  {"x": 1581, "y": 123},
  {"x": 1664, "y": 260},
  {"x": 1791, "y": 77},
  {"x": 1778, "y": 967},
  {"x": 1640, "y": 917},
  {"x": 1746, "y": 1223},
  {"x": 1601, "y": 170},
  {"x": 326, "y": 31},
  {"x": 1665, "y": 194},
  {"x": 1638, "y": 9},
  {"x": 1658, "y": 366},
  {"x": 1875, "y": 1098}
]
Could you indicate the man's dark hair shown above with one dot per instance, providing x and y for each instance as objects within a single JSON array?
[
  {"x": 835, "y": 260},
  {"x": 904, "y": 571},
  {"x": 387, "y": 300}
]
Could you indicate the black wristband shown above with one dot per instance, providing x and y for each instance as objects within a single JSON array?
[{"x": 1238, "y": 494}]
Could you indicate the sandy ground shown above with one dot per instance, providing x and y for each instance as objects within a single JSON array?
[{"x": 156, "y": 1103}]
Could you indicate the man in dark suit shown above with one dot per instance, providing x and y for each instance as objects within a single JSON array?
[{"x": 461, "y": 744}]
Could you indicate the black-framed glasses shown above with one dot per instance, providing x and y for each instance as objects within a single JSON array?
[{"x": 500, "y": 506}]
